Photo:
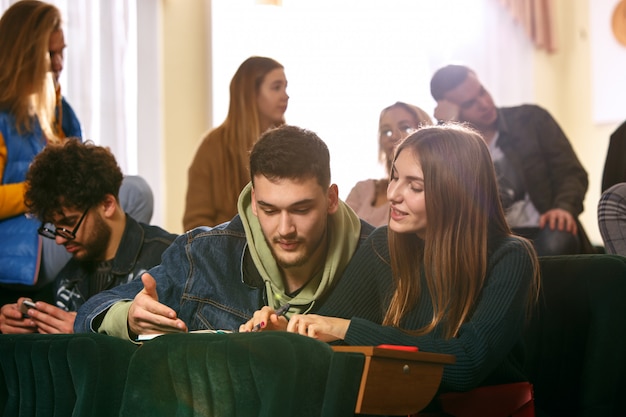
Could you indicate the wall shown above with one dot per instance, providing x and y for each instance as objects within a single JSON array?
[
  {"x": 186, "y": 97},
  {"x": 563, "y": 86}
]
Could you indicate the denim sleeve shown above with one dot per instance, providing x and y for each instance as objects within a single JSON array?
[
  {"x": 170, "y": 277},
  {"x": 90, "y": 314}
]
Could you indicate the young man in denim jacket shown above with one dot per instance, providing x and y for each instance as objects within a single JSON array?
[
  {"x": 290, "y": 243},
  {"x": 74, "y": 189}
]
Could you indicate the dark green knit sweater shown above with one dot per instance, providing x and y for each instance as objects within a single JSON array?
[{"x": 487, "y": 348}]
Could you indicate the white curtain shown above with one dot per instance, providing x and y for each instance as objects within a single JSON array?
[{"x": 100, "y": 80}]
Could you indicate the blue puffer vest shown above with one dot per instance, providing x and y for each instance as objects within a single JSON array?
[{"x": 20, "y": 253}]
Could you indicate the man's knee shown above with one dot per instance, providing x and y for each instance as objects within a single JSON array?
[{"x": 550, "y": 242}]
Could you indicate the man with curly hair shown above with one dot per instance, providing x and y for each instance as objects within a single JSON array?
[{"x": 73, "y": 189}]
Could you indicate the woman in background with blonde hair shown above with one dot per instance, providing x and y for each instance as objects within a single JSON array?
[
  {"x": 27, "y": 101},
  {"x": 218, "y": 173},
  {"x": 368, "y": 198}
]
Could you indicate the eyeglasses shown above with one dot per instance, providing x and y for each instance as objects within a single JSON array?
[{"x": 51, "y": 232}]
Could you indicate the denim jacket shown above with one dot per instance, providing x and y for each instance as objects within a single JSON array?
[
  {"x": 221, "y": 289},
  {"x": 140, "y": 249}
]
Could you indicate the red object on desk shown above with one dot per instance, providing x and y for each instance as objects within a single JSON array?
[{"x": 399, "y": 347}]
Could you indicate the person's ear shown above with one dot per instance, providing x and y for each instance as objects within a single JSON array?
[
  {"x": 253, "y": 199},
  {"x": 333, "y": 199},
  {"x": 109, "y": 205}
]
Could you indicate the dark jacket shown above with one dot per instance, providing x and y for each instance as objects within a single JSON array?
[
  {"x": 140, "y": 249},
  {"x": 615, "y": 163},
  {"x": 536, "y": 146}
]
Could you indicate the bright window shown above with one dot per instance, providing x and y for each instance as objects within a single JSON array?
[{"x": 347, "y": 60}]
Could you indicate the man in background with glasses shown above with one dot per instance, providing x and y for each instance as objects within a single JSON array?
[{"x": 73, "y": 189}]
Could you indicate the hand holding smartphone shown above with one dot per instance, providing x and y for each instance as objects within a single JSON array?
[{"x": 27, "y": 304}]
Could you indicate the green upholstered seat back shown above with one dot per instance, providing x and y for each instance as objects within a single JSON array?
[
  {"x": 62, "y": 375},
  {"x": 248, "y": 374},
  {"x": 576, "y": 341}
]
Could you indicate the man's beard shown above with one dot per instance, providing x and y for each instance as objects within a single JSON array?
[
  {"x": 300, "y": 260},
  {"x": 96, "y": 245}
]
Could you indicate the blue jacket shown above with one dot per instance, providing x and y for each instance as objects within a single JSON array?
[
  {"x": 140, "y": 249},
  {"x": 207, "y": 276},
  {"x": 19, "y": 247},
  {"x": 69, "y": 122}
]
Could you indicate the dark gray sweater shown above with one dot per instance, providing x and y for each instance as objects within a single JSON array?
[{"x": 487, "y": 347}]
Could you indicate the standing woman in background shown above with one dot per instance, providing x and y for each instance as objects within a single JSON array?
[
  {"x": 218, "y": 173},
  {"x": 368, "y": 198},
  {"x": 27, "y": 101}
]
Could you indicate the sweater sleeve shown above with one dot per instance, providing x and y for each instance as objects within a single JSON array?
[
  {"x": 115, "y": 321},
  {"x": 485, "y": 340},
  {"x": 11, "y": 195}
]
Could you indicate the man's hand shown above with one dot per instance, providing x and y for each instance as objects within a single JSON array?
[
  {"x": 50, "y": 319},
  {"x": 446, "y": 111},
  {"x": 147, "y": 316},
  {"x": 264, "y": 319},
  {"x": 326, "y": 329},
  {"x": 12, "y": 321},
  {"x": 559, "y": 219}
]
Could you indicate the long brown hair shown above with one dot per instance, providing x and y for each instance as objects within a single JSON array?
[
  {"x": 26, "y": 83},
  {"x": 242, "y": 128},
  {"x": 464, "y": 212}
]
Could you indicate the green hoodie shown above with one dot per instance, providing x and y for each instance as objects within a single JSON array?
[{"x": 344, "y": 228}]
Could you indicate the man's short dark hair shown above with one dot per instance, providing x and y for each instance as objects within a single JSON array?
[
  {"x": 74, "y": 175},
  {"x": 290, "y": 152},
  {"x": 446, "y": 79}
]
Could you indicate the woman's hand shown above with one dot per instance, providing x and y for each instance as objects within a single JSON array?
[
  {"x": 326, "y": 329},
  {"x": 264, "y": 319}
]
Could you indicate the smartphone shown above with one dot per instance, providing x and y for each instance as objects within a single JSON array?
[{"x": 26, "y": 304}]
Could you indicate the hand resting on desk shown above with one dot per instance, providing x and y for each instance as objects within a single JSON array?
[
  {"x": 326, "y": 329},
  {"x": 147, "y": 316},
  {"x": 267, "y": 319}
]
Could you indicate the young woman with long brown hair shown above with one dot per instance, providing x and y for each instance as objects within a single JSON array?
[
  {"x": 218, "y": 173},
  {"x": 447, "y": 275}
]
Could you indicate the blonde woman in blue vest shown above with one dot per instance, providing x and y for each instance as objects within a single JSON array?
[{"x": 27, "y": 102}]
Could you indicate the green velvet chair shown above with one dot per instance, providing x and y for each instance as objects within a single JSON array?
[
  {"x": 576, "y": 341},
  {"x": 575, "y": 349},
  {"x": 249, "y": 374},
  {"x": 62, "y": 375}
]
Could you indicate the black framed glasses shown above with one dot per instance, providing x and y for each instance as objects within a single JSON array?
[{"x": 51, "y": 232}]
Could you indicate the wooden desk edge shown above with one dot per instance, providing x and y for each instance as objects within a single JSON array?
[{"x": 398, "y": 354}]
